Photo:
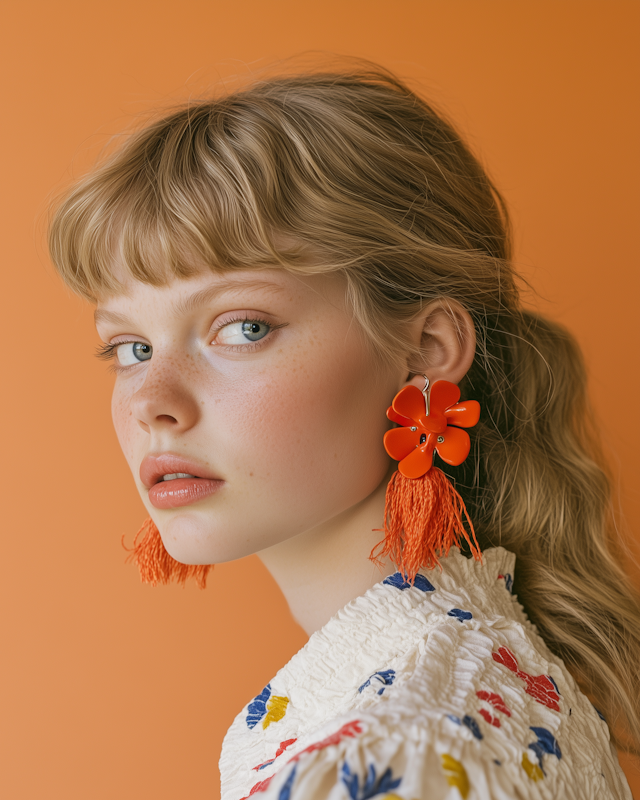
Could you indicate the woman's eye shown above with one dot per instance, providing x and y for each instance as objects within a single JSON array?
[
  {"x": 130, "y": 353},
  {"x": 242, "y": 332}
]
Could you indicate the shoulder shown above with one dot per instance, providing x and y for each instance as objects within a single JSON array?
[
  {"x": 454, "y": 694},
  {"x": 481, "y": 710}
]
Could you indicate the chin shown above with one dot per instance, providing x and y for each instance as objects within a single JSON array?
[{"x": 190, "y": 540}]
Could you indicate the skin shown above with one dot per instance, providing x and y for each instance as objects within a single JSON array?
[{"x": 292, "y": 423}]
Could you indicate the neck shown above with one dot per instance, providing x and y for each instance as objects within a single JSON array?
[{"x": 321, "y": 570}]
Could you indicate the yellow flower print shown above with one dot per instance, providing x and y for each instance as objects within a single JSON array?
[
  {"x": 532, "y": 770},
  {"x": 456, "y": 774},
  {"x": 276, "y": 709}
]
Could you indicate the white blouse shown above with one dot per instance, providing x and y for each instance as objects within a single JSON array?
[{"x": 439, "y": 690}]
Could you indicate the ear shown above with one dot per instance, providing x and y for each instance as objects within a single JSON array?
[{"x": 446, "y": 336}]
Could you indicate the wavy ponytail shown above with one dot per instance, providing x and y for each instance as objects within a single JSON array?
[
  {"x": 350, "y": 171},
  {"x": 536, "y": 484}
]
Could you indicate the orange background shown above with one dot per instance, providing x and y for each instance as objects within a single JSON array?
[{"x": 115, "y": 690}]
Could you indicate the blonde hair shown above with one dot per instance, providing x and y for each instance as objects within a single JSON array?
[{"x": 350, "y": 171}]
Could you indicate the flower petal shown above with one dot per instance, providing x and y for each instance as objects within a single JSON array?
[
  {"x": 395, "y": 417},
  {"x": 399, "y": 442},
  {"x": 466, "y": 414},
  {"x": 455, "y": 447},
  {"x": 409, "y": 402},
  {"x": 418, "y": 461},
  {"x": 436, "y": 422},
  {"x": 443, "y": 394}
]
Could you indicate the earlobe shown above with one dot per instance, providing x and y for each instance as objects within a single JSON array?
[{"x": 446, "y": 336}]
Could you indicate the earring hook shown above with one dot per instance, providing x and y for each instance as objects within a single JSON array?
[{"x": 425, "y": 393}]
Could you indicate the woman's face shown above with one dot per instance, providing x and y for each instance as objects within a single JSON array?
[{"x": 261, "y": 385}]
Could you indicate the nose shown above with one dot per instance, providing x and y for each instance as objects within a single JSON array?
[{"x": 164, "y": 401}]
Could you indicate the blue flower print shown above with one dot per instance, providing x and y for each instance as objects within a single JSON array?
[
  {"x": 258, "y": 707},
  {"x": 508, "y": 580},
  {"x": 400, "y": 582},
  {"x": 371, "y": 787},
  {"x": 555, "y": 685},
  {"x": 285, "y": 791},
  {"x": 546, "y": 745},
  {"x": 468, "y": 722},
  {"x": 599, "y": 713},
  {"x": 460, "y": 614},
  {"x": 386, "y": 677}
]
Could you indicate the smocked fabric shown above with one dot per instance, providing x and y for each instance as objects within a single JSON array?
[{"x": 437, "y": 690}]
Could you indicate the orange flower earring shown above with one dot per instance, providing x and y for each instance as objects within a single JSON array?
[{"x": 423, "y": 512}]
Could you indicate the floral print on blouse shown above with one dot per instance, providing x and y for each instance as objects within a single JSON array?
[{"x": 440, "y": 690}]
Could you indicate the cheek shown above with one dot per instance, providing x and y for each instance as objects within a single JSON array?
[
  {"x": 127, "y": 429},
  {"x": 309, "y": 434}
]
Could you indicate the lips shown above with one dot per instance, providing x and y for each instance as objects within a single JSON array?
[{"x": 179, "y": 491}]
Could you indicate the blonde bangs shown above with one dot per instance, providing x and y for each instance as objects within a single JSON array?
[{"x": 163, "y": 207}]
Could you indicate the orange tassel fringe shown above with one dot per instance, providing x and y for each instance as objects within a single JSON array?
[
  {"x": 156, "y": 565},
  {"x": 423, "y": 519}
]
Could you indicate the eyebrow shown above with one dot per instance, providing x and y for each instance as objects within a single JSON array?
[{"x": 196, "y": 300}]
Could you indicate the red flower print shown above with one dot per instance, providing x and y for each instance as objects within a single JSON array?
[
  {"x": 413, "y": 444},
  {"x": 279, "y": 752},
  {"x": 261, "y": 786},
  {"x": 489, "y": 718},
  {"x": 348, "y": 731},
  {"x": 497, "y": 702},
  {"x": 541, "y": 687}
]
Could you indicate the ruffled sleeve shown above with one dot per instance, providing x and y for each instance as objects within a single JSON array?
[
  {"x": 390, "y": 752},
  {"x": 368, "y": 757}
]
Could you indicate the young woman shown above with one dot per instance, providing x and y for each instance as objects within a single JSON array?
[{"x": 275, "y": 269}]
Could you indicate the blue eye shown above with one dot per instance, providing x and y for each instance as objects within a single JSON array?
[
  {"x": 130, "y": 353},
  {"x": 254, "y": 330},
  {"x": 251, "y": 330}
]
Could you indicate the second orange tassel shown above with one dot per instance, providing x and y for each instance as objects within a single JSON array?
[{"x": 424, "y": 514}]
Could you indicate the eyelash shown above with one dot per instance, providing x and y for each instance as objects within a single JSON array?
[
  {"x": 107, "y": 352},
  {"x": 242, "y": 348}
]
